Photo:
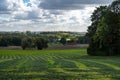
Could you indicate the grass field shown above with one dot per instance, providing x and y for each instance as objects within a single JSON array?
[{"x": 57, "y": 65}]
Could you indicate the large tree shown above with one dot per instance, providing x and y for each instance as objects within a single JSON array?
[{"x": 104, "y": 32}]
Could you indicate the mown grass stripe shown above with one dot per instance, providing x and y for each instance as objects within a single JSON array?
[
  {"x": 68, "y": 64},
  {"x": 4, "y": 60},
  {"x": 79, "y": 65},
  {"x": 115, "y": 62},
  {"x": 107, "y": 64},
  {"x": 11, "y": 65},
  {"x": 5, "y": 65}
]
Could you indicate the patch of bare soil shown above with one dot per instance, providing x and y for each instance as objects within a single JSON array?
[
  {"x": 68, "y": 47},
  {"x": 76, "y": 46},
  {"x": 11, "y": 48}
]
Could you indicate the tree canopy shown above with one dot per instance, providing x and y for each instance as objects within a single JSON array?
[{"x": 104, "y": 32}]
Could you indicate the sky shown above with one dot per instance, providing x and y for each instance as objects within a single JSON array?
[{"x": 47, "y": 15}]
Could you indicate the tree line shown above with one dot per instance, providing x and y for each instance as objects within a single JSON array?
[
  {"x": 39, "y": 40},
  {"x": 104, "y": 32}
]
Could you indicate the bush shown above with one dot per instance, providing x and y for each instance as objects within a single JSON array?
[
  {"x": 63, "y": 41},
  {"x": 16, "y": 41},
  {"x": 3, "y": 42},
  {"x": 41, "y": 43},
  {"x": 95, "y": 52},
  {"x": 26, "y": 43}
]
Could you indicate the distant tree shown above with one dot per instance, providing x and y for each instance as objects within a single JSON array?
[
  {"x": 26, "y": 43},
  {"x": 45, "y": 43},
  {"x": 82, "y": 40},
  {"x": 28, "y": 33},
  {"x": 63, "y": 40},
  {"x": 3, "y": 42},
  {"x": 41, "y": 43},
  {"x": 16, "y": 41},
  {"x": 8, "y": 40}
]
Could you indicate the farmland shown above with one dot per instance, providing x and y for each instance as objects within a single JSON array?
[{"x": 57, "y": 65}]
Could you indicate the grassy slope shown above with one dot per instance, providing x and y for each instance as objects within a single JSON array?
[{"x": 57, "y": 65}]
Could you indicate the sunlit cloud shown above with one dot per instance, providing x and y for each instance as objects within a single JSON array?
[{"x": 47, "y": 15}]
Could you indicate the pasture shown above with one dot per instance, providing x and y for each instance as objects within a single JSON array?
[{"x": 57, "y": 65}]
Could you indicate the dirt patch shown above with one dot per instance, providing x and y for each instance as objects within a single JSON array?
[
  {"x": 11, "y": 48},
  {"x": 49, "y": 48},
  {"x": 69, "y": 47}
]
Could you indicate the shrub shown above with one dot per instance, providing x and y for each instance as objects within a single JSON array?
[
  {"x": 63, "y": 41},
  {"x": 26, "y": 43},
  {"x": 3, "y": 42},
  {"x": 41, "y": 43}
]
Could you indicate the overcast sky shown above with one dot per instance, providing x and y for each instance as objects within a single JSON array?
[{"x": 47, "y": 15}]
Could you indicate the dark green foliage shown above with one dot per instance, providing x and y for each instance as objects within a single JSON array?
[
  {"x": 63, "y": 40},
  {"x": 11, "y": 40},
  {"x": 14, "y": 38},
  {"x": 115, "y": 6},
  {"x": 41, "y": 43},
  {"x": 82, "y": 40},
  {"x": 16, "y": 41},
  {"x": 3, "y": 42},
  {"x": 26, "y": 43},
  {"x": 45, "y": 43},
  {"x": 95, "y": 18},
  {"x": 105, "y": 37}
]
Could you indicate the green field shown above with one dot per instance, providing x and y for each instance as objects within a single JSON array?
[{"x": 57, "y": 65}]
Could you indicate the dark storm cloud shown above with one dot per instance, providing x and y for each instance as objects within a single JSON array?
[{"x": 70, "y": 4}]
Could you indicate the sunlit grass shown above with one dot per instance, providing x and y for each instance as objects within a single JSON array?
[{"x": 57, "y": 65}]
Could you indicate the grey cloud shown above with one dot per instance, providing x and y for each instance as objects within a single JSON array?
[
  {"x": 6, "y": 6},
  {"x": 70, "y": 4},
  {"x": 33, "y": 14},
  {"x": 3, "y": 6},
  {"x": 26, "y": 15},
  {"x": 5, "y": 12},
  {"x": 56, "y": 12}
]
